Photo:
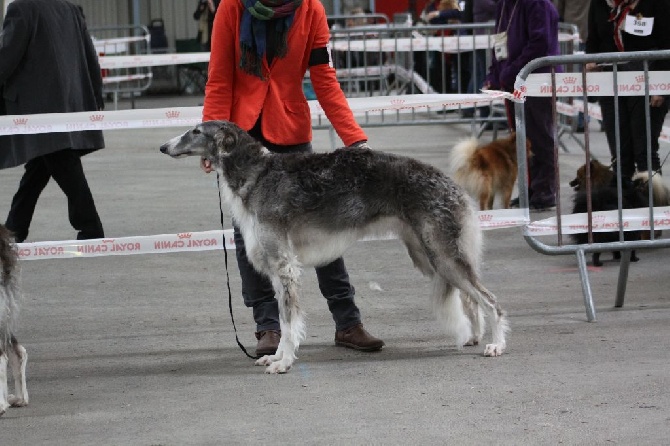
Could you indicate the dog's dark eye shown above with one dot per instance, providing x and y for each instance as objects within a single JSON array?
[{"x": 196, "y": 131}]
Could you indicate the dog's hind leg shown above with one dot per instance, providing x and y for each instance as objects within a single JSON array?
[
  {"x": 18, "y": 358},
  {"x": 469, "y": 284},
  {"x": 499, "y": 324},
  {"x": 474, "y": 313}
]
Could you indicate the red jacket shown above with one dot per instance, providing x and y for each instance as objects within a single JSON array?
[{"x": 234, "y": 95}]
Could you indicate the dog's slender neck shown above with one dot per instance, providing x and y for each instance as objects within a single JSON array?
[{"x": 244, "y": 164}]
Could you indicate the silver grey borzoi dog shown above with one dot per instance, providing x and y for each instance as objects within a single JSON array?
[
  {"x": 306, "y": 209},
  {"x": 10, "y": 350}
]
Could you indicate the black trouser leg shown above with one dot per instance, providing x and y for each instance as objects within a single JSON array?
[
  {"x": 627, "y": 156},
  {"x": 33, "y": 182},
  {"x": 639, "y": 126},
  {"x": 66, "y": 169}
]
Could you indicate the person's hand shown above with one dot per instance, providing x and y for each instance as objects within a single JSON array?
[
  {"x": 656, "y": 101},
  {"x": 361, "y": 145},
  {"x": 206, "y": 165},
  {"x": 591, "y": 67}
]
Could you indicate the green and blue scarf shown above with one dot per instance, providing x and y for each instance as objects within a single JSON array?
[{"x": 253, "y": 38}]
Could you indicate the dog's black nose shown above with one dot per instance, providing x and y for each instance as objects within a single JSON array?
[{"x": 164, "y": 148}]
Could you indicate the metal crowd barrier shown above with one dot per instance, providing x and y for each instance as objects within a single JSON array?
[
  {"x": 571, "y": 84},
  {"x": 127, "y": 40},
  {"x": 394, "y": 58}
]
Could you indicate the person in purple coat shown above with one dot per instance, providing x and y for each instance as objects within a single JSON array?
[{"x": 531, "y": 30}]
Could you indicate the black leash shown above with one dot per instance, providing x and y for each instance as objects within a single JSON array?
[{"x": 225, "y": 255}]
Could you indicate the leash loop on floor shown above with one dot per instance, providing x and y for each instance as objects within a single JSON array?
[{"x": 225, "y": 255}]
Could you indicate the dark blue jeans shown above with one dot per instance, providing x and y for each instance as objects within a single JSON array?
[{"x": 333, "y": 278}]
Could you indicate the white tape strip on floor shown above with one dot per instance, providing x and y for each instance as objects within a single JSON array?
[
  {"x": 196, "y": 241},
  {"x": 604, "y": 221}
]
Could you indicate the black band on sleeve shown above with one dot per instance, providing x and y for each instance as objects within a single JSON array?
[{"x": 319, "y": 56}]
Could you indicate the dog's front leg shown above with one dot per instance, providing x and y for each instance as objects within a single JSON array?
[{"x": 291, "y": 319}]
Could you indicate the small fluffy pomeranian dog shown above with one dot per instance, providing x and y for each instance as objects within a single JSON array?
[
  {"x": 601, "y": 176},
  {"x": 487, "y": 170},
  {"x": 605, "y": 198}
]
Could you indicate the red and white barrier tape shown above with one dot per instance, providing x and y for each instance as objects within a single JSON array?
[
  {"x": 196, "y": 241},
  {"x": 629, "y": 83},
  {"x": 190, "y": 116},
  {"x": 603, "y": 221}
]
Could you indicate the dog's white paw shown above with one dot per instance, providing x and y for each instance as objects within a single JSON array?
[
  {"x": 16, "y": 402},
  {"x": 278, "y": 367},
  {"x": 265, "y": 360},
  {"x": 3, "y": 408},
  {"x": 494, "y": 350}
]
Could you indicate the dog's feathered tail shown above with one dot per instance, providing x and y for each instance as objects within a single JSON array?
[
  {"x": 460, "y": 160},
  {"x": 8, "y": 287},
  {"x": 660, "y": 192},
  {"x": 448, "y": 308}
]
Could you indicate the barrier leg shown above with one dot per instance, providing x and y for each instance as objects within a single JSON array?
[
  {"x": 623, "y": 278},
  {"x": 586, "y": 286}
]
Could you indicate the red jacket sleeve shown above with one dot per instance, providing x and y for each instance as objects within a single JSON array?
[{"x": 328, "y": 91}]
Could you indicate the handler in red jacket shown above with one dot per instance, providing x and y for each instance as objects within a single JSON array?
[{"x": 261, "y": 51}]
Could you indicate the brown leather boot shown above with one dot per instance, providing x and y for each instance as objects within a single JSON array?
[
  {"x": 358, "y": 338},
  {"x": 268, "y": 341}
]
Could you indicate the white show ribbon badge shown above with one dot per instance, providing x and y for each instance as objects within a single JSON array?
[{"x": 638, "y": 25}]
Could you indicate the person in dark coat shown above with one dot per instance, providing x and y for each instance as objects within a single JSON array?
[
  {"x": 48, "y": 64},
  {"x": 612, "y": 28}
]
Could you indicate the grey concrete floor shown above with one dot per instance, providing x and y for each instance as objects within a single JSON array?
[{"x": 140, "y": 350}]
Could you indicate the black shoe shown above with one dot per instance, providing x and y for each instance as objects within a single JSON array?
[{"x": 514, "y": 203}]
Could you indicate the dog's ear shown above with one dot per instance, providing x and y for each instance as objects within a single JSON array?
[{"x": 225, "y": 140}]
